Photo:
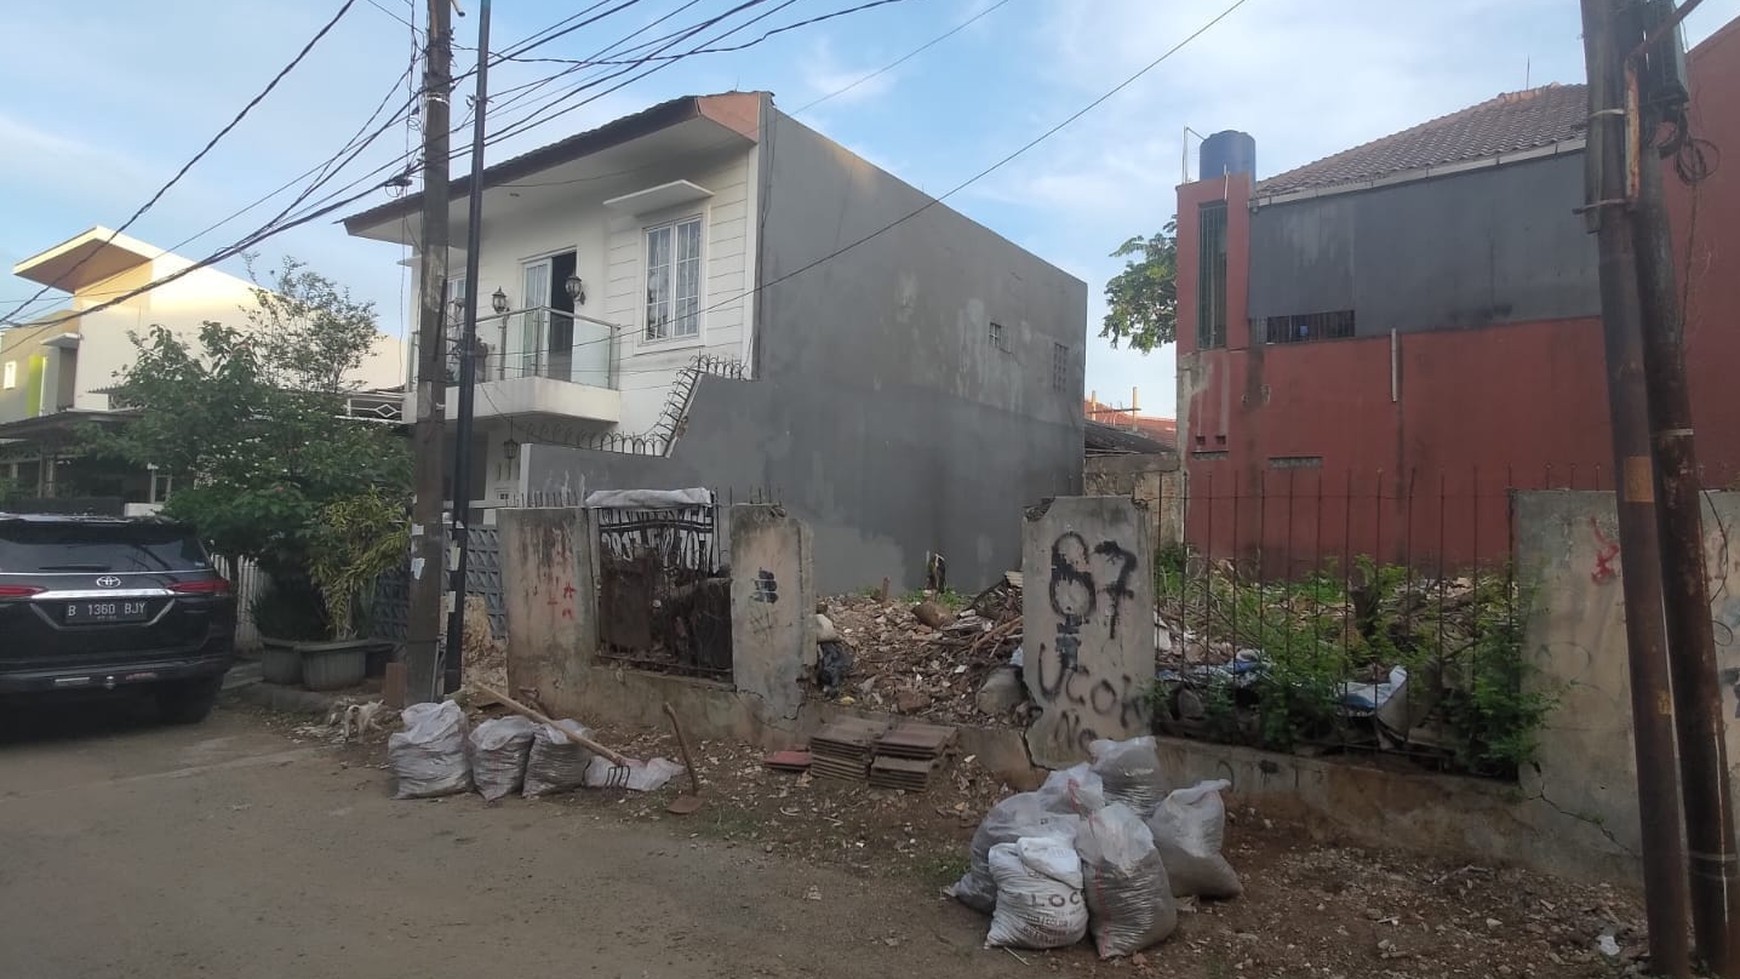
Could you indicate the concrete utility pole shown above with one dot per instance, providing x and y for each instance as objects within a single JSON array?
[
  {"x": 428, "y": 541},
  {"x": 1714, "y": 867},
  {"x": 1611, "y": 132},
  {"x": 454, "y": 673}
]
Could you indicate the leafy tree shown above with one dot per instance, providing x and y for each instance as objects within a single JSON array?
[
  {"x": 249, "y": 421},
  {"x": 1142, "y": 300}
]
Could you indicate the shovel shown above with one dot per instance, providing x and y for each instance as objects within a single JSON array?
[{"x": 683, "y": 805}]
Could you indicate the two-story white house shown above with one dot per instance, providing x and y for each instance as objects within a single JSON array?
[
  {"x": 708, "y": 293},
  {"x": 57, "y": 367}
]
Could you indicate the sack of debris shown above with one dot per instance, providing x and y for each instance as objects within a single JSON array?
[
  {"x": 1074, "y": 789},
  {"x": 1025, "y": 814},
  {"x": 1189, "y": 828},
  {"x": 1129, "y": 899},
  {"x": 1131, "y": 772},
  {"x": 428, "y": 758},
  {"x": 1039, "y": 899},
  {"x": 555, "y": 763},
  {"x": 498, "y": 755}
]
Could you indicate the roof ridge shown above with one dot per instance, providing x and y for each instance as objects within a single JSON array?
[{"x": 1328, "y": 170}]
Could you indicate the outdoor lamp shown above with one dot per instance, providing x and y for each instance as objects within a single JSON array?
[
  {"x": 510, "y": 449},
  {"x": 576, "y": 288},
  {"x": 499, "y": 301}
]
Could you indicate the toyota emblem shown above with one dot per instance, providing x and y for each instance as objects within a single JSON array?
[{"x": 108, "y": 581}]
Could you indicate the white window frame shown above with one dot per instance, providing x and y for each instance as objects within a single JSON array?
[
  {"x": 699, "y": 219},
  {"x": 10, "y": 378}
]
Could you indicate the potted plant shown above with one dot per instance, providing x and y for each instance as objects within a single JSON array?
[{"x": 355, "y": 540}]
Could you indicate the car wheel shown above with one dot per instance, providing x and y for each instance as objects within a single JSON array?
[{"x": 189, "y": 701}]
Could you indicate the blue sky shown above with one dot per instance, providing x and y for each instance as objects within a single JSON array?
[{"x": 108, "y": 97}]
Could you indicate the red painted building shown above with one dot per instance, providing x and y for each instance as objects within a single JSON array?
[{"x": 1375, "y": 348}]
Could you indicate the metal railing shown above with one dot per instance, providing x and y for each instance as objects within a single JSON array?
[{"x": 537, "y": 342}]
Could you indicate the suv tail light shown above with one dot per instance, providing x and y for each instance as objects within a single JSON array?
[
  {"x": 202, "y": 586},
  {"x": 19, "y": 591}
]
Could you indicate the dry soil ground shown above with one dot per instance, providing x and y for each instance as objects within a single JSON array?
[{"x": 235, "y": 850}]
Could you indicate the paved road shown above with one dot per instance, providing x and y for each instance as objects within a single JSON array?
[{"x": 228, "y": 850}]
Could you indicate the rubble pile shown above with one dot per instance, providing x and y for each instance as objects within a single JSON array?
[
  {"x": 485, "y": 653},
  {"x": 902, "y": 665}
]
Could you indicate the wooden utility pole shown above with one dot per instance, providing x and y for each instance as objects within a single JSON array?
[
  {"x": 428, "y": 538},
  {"x": 1611, "y": 131},
  {"x": 1714, "y": 866}
]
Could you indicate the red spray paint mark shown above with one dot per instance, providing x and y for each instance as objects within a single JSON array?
[{"x": 1609, "y": 550}]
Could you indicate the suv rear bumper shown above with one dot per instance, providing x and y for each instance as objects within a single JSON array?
[{"x": 212, "y": 660}]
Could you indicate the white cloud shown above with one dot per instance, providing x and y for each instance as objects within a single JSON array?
[{"x": 824, "y": 74}]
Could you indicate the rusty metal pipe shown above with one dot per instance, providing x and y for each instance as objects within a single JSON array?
[
  {"x": 1634, "y": 478},
  {"x": 1714, "y": 866}
]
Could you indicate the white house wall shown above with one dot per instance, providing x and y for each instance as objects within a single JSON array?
[{"x": 610, "y": 259}]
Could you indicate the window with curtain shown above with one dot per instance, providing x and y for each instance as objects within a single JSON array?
[{"x": 673, "y": 280}]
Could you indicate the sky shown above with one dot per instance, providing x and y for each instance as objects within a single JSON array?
[{"x": 111, "y": 97}]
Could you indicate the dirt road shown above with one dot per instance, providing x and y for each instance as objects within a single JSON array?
[{"x": 227, "y": 850}]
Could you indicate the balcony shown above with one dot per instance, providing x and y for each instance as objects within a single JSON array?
[{"x": 539, "y": 364}]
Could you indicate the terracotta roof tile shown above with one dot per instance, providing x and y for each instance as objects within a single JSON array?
[{"x": 1509, "y": 123}]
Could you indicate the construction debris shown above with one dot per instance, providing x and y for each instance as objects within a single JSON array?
[{"x": 901, "y": 664}]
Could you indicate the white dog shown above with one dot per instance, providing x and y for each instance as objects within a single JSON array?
[{"x": 355, "y": 720}]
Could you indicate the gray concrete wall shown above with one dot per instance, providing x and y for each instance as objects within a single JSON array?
[
  {"x": 1568, "y": 547},
  {"x": 1088, "y": 619},
  {"x": 1497, "y": 245},
  {"x": 882, "y": 414},
  {"x": 1155, "y": 481}
]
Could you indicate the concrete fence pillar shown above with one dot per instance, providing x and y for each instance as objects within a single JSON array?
[
  {"x": 549, "y": 585},
  {"x": 1088, "y": 622},
  {"x": 772, "y": 607}
]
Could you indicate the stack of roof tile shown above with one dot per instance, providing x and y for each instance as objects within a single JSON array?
[
  {"x": 844, "y": 749},
  {"x": 907, "y": 754}
]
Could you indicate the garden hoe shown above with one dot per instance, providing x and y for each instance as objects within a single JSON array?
[{"x": 683, "y": 805}]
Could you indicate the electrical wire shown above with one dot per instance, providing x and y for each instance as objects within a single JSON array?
[
  {"x": 284, "y": 221},
  {"x": 719, "y": 50},
  {"x": 987, "y": 171},
  {"x": 207, "y": 148},
  {"x": 903, "y": 59}
]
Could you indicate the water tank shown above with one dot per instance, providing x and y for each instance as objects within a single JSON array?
[{"x": 1228, "y": 151}]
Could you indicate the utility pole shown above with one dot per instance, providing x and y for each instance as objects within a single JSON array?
[
  {"x": 454, "y": 673},
  {"x": 1608, "y": 159},
  {"x": 1714, "y": 868},
  {"x": 428, "y": 544}
]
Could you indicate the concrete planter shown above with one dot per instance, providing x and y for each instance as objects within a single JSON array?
[
  {"x": 280, "y": 662},
  {"x": 334, "y": 665}
]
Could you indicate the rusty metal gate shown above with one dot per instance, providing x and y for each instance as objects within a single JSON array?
[{"x": 663, "y": 602}]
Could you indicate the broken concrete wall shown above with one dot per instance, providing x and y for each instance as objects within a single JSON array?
[
  {"x": 772, "y": 608},
  {"x": 549, "y": 575},
  {"x": 1088, "y": 620},
  {"x": 1154, "y": 480},
  {"x": 1567, "y": 552}
]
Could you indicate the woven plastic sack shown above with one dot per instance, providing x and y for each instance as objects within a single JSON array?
[
  {"x": 1131, "y": 772},
  {"x": 1189, "y": 829},
  {"x": 1073, "y": 790},
  {"x": 1039, "y": 899},
  {"x": 1025, "y": 814},
  {"x": 1129, "y": 899},
  {"x": 427, "y": 758},
  {"x": 556, "y": 764},
  {"x": 498, "y": 755}
]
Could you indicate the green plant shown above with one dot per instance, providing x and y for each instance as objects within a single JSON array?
[
  {"x": 250, "y": 422},
  {"x": 289, "y": 608},
  {"x": 1496, "y": 718},
  {"x": 356, "y": 539}
]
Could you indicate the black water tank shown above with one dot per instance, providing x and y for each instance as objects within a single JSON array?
[{"x": 1228, "y": 151}]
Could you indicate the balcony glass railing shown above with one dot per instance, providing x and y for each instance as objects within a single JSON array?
[{"x": 537, "y": 343}]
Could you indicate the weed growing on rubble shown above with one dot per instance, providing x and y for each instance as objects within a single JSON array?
[{"x": 1321, "y": 637}]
